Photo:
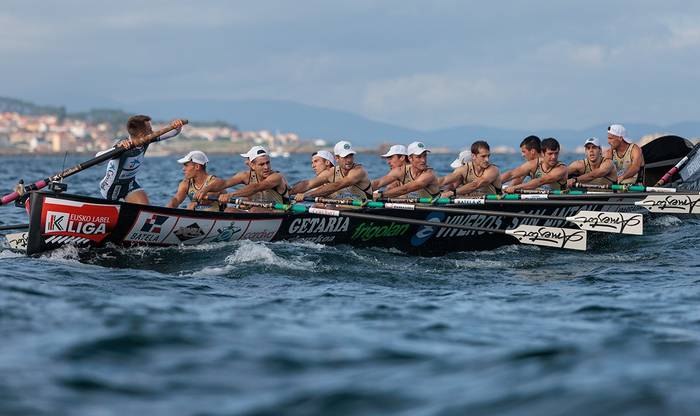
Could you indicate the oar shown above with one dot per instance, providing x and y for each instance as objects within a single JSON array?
[
  {"x": 527, "y": 234},
  {"x": 601, "y": 221},
  {"x": 662, "y": 203},
  {"x": 82, "y": 166},
  {"x": 13, "y": 227},
  {"x": 677, "y": 167},
  {"x": 625, "y": 188}
]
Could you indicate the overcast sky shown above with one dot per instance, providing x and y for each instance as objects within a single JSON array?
[{"x": 525, "y": 64}]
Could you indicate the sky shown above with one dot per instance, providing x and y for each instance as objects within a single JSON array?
[{"x": 418, "y": 64}]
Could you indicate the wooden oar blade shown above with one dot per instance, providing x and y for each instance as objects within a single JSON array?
[
  {"x": 568, "y": 238},
  {"x": 609, "y": 222},
  {"x": 671, "y": 204}
]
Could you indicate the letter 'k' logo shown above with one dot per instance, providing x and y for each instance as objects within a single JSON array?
[
  {"x": 56, "y": 221},
  {"x": 154, "y": 223}
]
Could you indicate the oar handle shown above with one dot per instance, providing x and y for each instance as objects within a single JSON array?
[{"x": 82, "y": 166}]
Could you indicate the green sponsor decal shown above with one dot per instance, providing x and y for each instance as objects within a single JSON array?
[{"x": 370, "y": 231}]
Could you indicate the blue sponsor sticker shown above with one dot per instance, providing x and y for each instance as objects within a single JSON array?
[{"x": 425, "y": 232}]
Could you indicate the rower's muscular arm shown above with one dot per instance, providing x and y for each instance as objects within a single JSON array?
[
  {"x": 356, "y": 175},
  {"x": 271, "y": 182},
  {"x": 220, "y": 184},
  {"x": 489, "y": 176},
  {"x": 601, "y": 171},
  {"x": 555, "y": 175},
  {"x": 635, "y": 166},
  {"x": 576, "y": 167},
  {"x": 425, "y": 179},
  {"x": 520, "y": 172},
  {"x": 180, "y": 195},
  {"x": 452, "y": 177},
  {"x": 394, "y": 175}
]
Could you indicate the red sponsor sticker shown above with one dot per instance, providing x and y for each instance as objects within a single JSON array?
[{"x": 85, "y": 221}]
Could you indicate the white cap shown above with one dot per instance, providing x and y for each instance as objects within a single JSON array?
[
  {"x": 195, "y": 156},
  {"x": 325, "y": 154},
  {"x": 461, "y": 159},
  {"x": 417, "y": 148},
  {"x": 617, "y": 130},
  {"x": 343, "y": 148},
  {"x": 592, "y": 140},
  {"x": 397, "y": 149},
  {"x": 254, "y": 152}
]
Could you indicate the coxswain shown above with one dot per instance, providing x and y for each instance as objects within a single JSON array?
[
  {"x": 348, "y": 180},
  {"x": 396, "y": 157},
  {"x": 194, "y": 170},
  {"x": 530, "y": 149},
  {"x": 120, "y": 181},
  {"x": 547, "y": 172},
  {"x": 627, "y": 157},
  {"x": 476, "y": 176},
  {"x": 594, "y": 168},
  {"x": 321, "y": 161},
  {"x": 417, "y": 179}
]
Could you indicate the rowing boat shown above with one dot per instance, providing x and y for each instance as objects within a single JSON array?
[{"x": 57, "y": 219}]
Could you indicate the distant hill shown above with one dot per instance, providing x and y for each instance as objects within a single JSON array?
[{"x": 317, "y": 122}]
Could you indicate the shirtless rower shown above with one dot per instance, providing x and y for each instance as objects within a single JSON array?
[
  {"x": 594, "y": 168},
  {"x": 262, "y": 184},
  {"x": 348, "y": 180},
  {"x": 396, "y": 157},
  {"x": 530, "y": 148},
  {"x": 547, "y": 172},
  {"x": 321, "y": 161},
  {"x": 476, "y": 176},
  {"x": 417, "y": 178},
  {"x": 194, "y": 170},
  {"x": 627, "y": 157},
  {"x": 119, "y": 181}
]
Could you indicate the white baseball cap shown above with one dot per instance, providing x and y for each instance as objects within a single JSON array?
[
  {"x": 343, "y": 148},
  {"x": 461, "y": 159},
  {"x": 397, "y": 149},
  {"x": 417, "y": 148},
  {"x": 592, "y": 140},
  {"x": 617, "y": 130},
  {"x": 325, "y": 154},
  {"x": 254, "y": 152},
  {"x": 195, "y": 156}
]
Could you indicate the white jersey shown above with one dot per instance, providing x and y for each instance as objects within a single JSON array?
[{"x": 120, "y": 177}]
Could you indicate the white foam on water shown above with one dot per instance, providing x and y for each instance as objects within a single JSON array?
[
  {"x": 251, "y": 252},
  {"x": 69, "y": 254},
  {"x": 9, "y": 254},
  {"x": 665, "y": 221}
]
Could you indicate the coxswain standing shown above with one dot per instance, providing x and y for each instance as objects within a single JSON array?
[
  {"x": 417, "y": 178},
  {"x": 120, "y": 181},
  {"x": 321, "y": 161},
  {"x": 194, "y": 170},
  {"x": 594, "y": 168},
  {"x": 476, "y": 176},
  {"x": 546, "y": 172},
  {"x": 629, "y": 165},
  {"x": 348, "y": 180}
]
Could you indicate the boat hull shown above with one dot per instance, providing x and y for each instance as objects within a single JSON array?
[{"x": 60, "y": 219}]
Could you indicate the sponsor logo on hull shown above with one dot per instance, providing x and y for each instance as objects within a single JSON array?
[
  {"x": 319, "y": 225},
  {"x": 154, "y": 228},
  {"x": 72, "y": 222}
]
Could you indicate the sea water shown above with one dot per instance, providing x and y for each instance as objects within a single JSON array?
[{"x": 302, "y": 328}]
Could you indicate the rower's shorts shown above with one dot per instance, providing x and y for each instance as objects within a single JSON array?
[{"x": 120, "y": 190}]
